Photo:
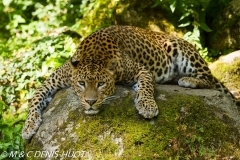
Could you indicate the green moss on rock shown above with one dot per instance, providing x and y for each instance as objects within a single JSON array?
[
  {"x": 186, "y": 128},
  {"x": 228, "y": 73}
]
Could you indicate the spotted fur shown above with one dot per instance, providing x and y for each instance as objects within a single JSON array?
[{"x": 127, "y": 55}]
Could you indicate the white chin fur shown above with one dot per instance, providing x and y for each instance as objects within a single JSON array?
[{"x": 91, "y": 111}]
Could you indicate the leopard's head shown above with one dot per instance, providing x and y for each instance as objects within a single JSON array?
[{"x": 93, "y": 84}]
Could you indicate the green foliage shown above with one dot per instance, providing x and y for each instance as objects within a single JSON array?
[
  {"x": 95, "y": 15},
  {"x": 29, "y": 20},
  {"x": 10, "y": 129},
  {"x": 192, "y": 15},
  {"x": 22, "y": 74}
]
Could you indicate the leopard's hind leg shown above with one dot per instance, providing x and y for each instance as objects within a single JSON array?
[
  {"x": 201, "y": 81},
  {"x": 194, "y": 72},
  {"x": 192, "y": 69},
  {"x": 207, "y": 81}
]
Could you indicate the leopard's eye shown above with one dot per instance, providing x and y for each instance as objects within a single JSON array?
[
  {"x": 81, "y": 83},
  {"x": 100, "y": 84}
]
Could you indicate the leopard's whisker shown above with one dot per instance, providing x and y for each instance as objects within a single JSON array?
[{"x": 110, "y": 97}]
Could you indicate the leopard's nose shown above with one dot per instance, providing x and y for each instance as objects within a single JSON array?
[{"x": 90, "y": 102}]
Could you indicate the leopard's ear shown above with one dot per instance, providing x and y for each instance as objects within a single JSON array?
[
  {"x": 111, "y": 66},
  {"x": 73, "y": 63}
]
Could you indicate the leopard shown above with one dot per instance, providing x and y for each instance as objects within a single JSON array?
[{"x": 125, "y": 55}]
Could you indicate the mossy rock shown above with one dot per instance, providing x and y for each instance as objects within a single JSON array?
[
  {"x": 227, "y": 70},
  {"x": 192, "y": 124},
  {"x": 144, "y": 15}
]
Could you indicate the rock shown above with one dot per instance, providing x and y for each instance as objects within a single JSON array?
[
  {"x": 159, "y": 18},
  {"x": 192, "y": 123},
  {"x": 230, "y": 58},
  {"x": 226, "y": 28},
  {"x": 227, "y": 70}
]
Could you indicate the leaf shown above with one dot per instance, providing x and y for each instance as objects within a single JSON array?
[
  {"x": 196, "y": 32},
  {"x": 20, "y": 86},
  {"x": 51, "y": 49},
  {"x": 156, "y": 3},
  {"x": 204, "y": 3},
  {"x": 205, "y": 27},
  {"x": 2, "y": 105},
  {"x": 38, "y": 74},
  {"x": 7, "y": 2},
  {"x": 185, "y": 24},
  {"x": 44, "y": 68},
  {"x": 184, "y": 15},
  {"x": 173, "y": 5},
  {"x": 19, "y": 19}
]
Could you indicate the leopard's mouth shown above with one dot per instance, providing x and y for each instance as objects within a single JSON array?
[{"x": 91, "y": 111}]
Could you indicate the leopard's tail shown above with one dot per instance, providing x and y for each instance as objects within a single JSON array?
[{"x": 220, "y": 87}]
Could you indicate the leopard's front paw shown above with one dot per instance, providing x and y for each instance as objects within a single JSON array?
[
  {"x": 147, "y": 107},
  {"x": 30, "y": 127}
]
